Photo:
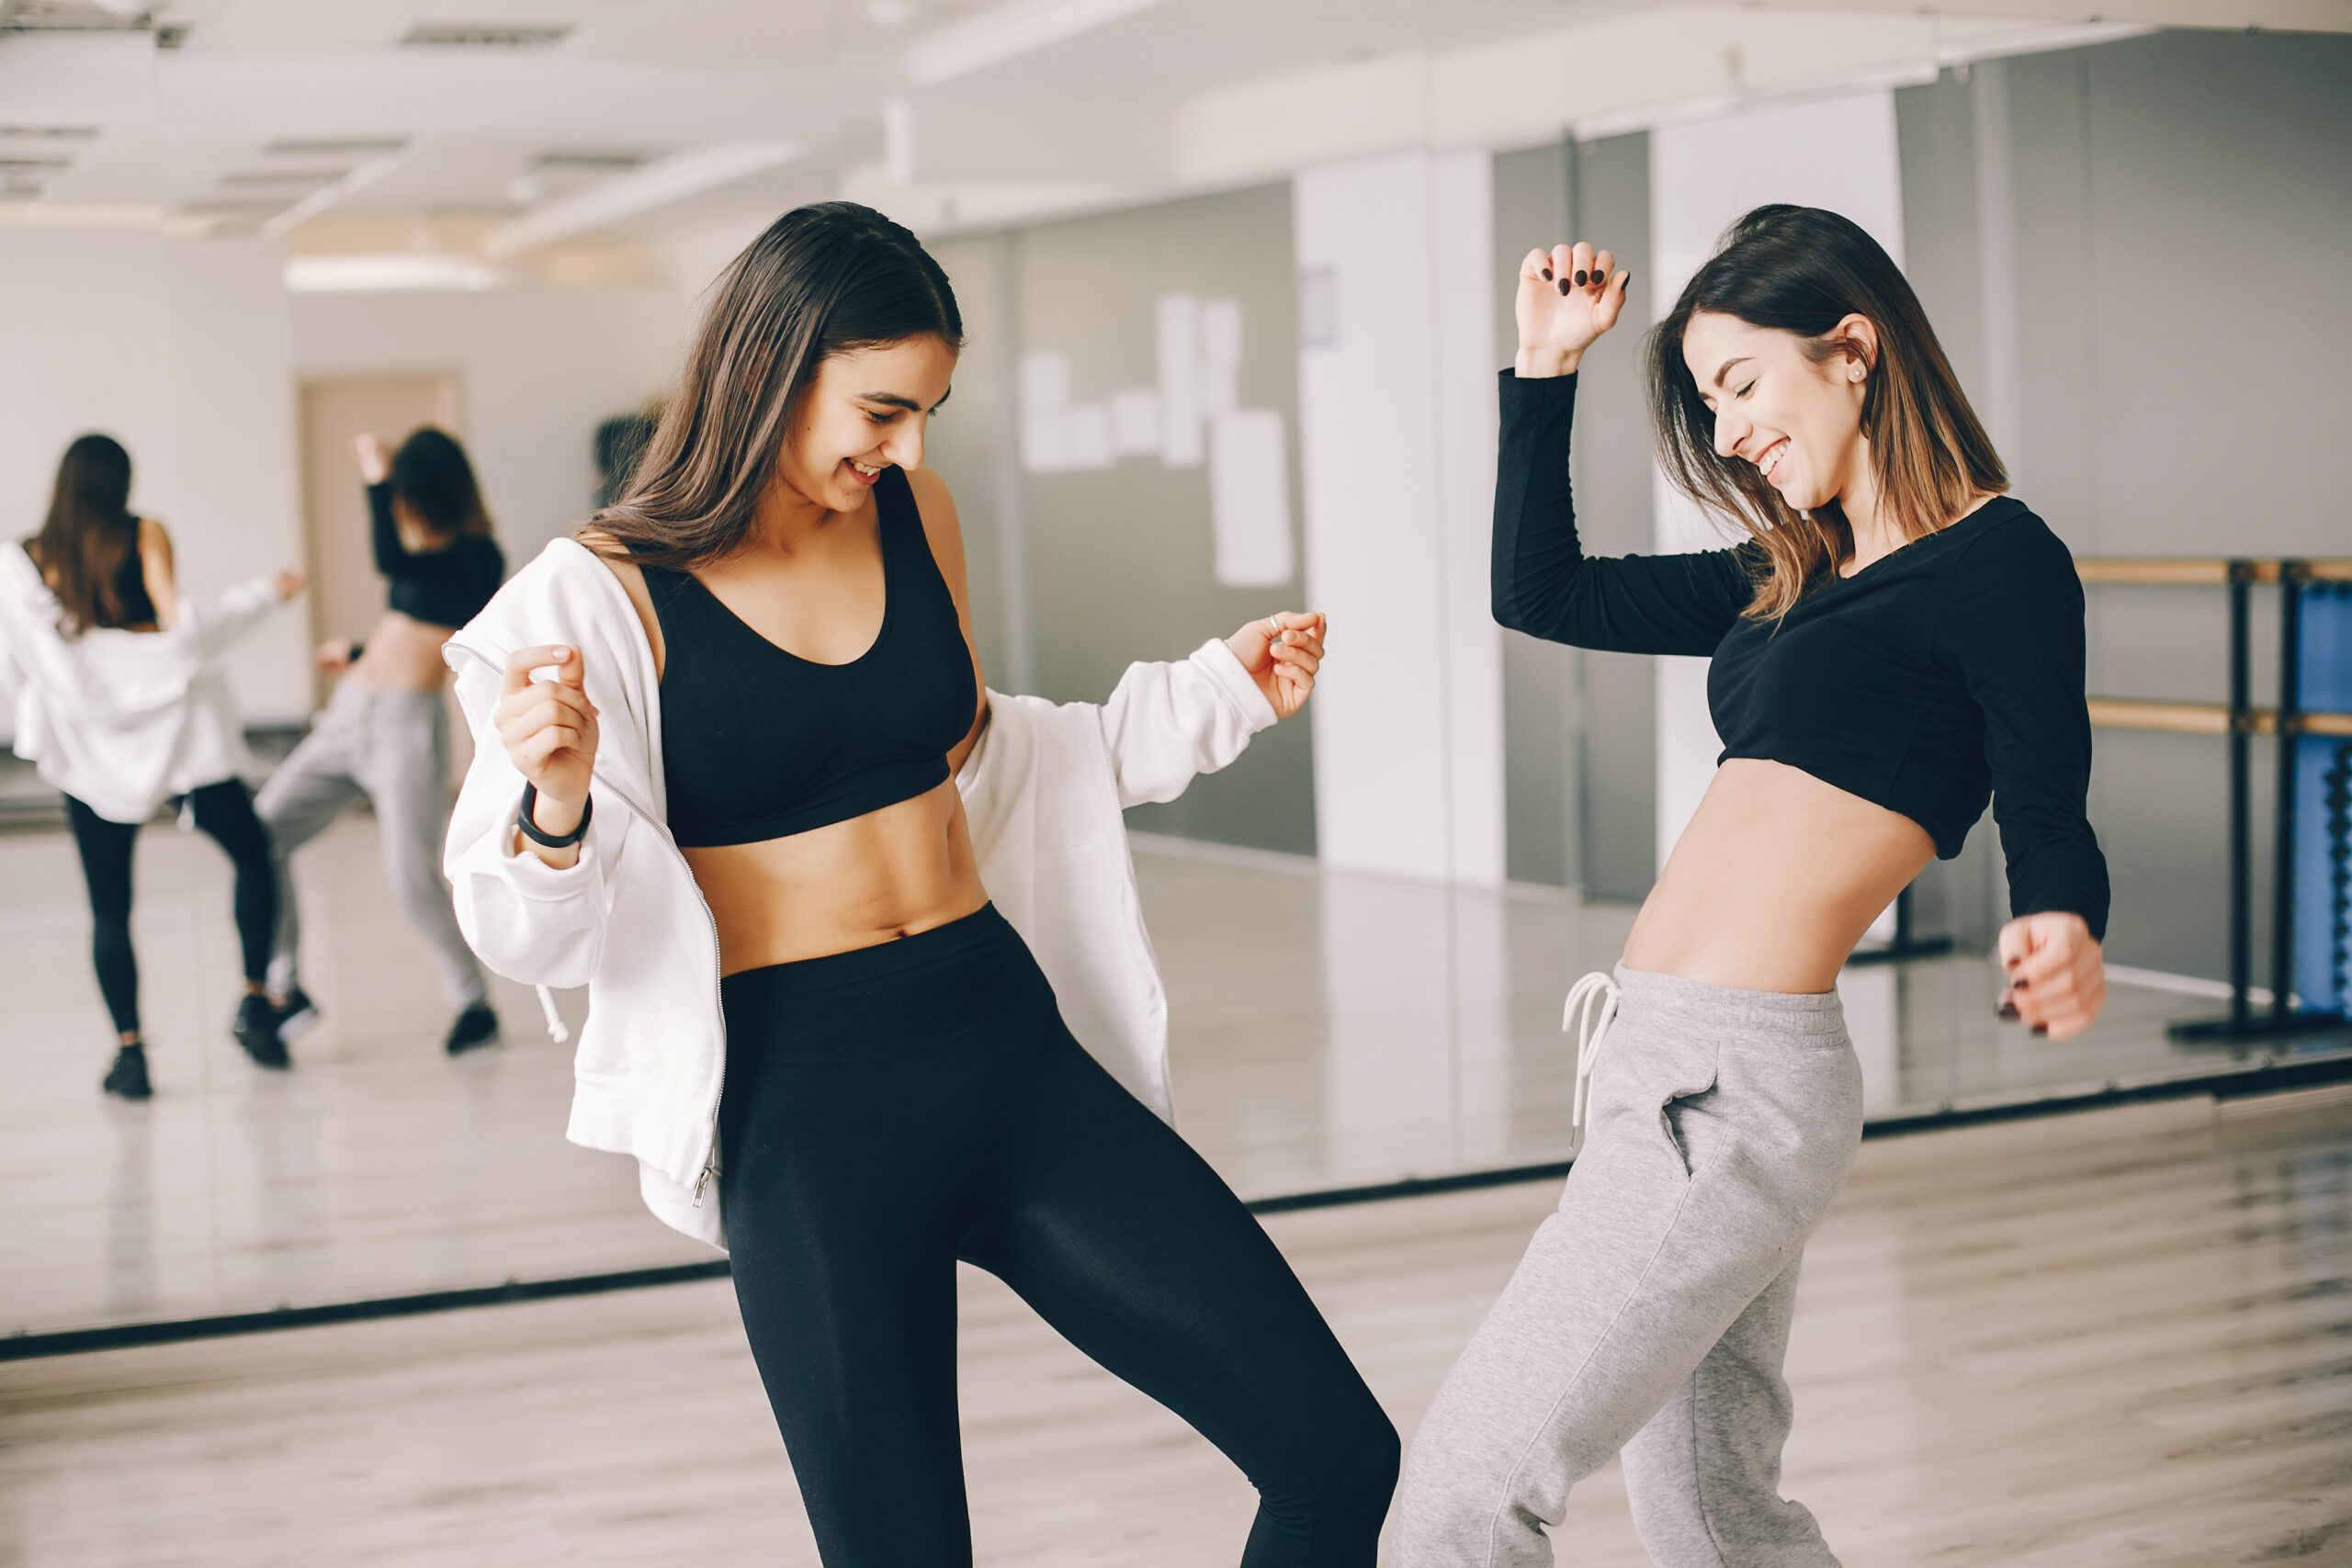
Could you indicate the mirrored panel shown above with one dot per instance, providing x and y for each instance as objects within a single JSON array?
[{"x": 1236, "y": 283}]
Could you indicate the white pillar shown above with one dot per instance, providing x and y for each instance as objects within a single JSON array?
[
  {"x": 1835, "y": 152},
  {"x": 1396, "y": 416}
]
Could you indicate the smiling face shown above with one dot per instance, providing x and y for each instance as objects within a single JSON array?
[
  {"x": 1795, "y": 416},
  {"x": 866, "y": 411}
]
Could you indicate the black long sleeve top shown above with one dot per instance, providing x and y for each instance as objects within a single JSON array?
[
  {"x": 1940, "y": 675},
  {"x": 446, "y": 587}
]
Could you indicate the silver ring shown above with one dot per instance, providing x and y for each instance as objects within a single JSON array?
[{"x": 1274, "y": 626}]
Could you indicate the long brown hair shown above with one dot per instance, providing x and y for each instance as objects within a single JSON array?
[
  {"x": 824, "y": 278},
  {"x": 89, "y": 533},
  {"x": 1803, "y": 270},
  {"x": 432, "y": 476}
]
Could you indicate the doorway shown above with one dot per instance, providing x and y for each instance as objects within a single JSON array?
[{"x": 347, "y": 595}]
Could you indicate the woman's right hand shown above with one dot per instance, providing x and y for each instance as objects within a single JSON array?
[
  {"x": 375, "y": 458},
  {"x": 549, "y": 731},
  {"x": 1569, "y": 296}
]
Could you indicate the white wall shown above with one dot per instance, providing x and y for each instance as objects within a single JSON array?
[
  {"x": 540, "y": 368},
  {"x": 1397, "y": 411},
  {"x": 1835, "y": 152},
  {"x": 178, "y": 348}
]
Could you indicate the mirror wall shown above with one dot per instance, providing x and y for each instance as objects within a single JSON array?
[{"x": 1236, "y": 280}]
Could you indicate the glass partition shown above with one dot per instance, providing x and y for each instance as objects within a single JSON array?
[{"x": 1233, "y": 327}]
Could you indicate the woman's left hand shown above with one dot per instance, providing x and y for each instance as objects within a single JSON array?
[
  {"x": 1281, "y": 653},
  {"x": 2057, "y": 978}
]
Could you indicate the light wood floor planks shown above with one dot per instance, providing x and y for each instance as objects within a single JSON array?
[{"x": 2124, "y": 1338}]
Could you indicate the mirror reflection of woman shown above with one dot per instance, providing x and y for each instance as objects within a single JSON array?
[
  {"x": 120, "y": 703},
  {"x": 1897, "y": 640},
  {"x": 385, "y": 733},
  {"x": 758, "y": 704}
]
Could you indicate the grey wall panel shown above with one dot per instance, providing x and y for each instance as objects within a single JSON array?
[
  {"x": 1540, "y": 678},
  {"x": 1610, "y": 205},
  {"x": 2158, "y": 411},
  {"x": 1121, "y": 559},
  {"x": 1943, "y": 238},
  {"x": 971, "y": 440}
]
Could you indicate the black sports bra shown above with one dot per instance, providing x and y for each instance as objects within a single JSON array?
[{"x": 759, "y": 743}]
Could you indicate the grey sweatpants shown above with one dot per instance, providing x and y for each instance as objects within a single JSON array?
[
  {"x": 1651, "y": 1312},
  {"x": 393, "y": 748}
]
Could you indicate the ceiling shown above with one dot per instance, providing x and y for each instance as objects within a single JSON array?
[{"x": 518, "y": 130}]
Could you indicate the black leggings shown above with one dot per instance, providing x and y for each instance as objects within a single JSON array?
[
  {"x": 225, "y": 812},
  {"x": 892, "y": 1109}
]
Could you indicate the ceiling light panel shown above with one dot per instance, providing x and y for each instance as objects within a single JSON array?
[
  {"x": 486, "y": 35},
  {"x": 1008, "y": 31}
]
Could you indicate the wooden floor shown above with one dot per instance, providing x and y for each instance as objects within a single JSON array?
[
  {"x": 1355, "y": 1030},
  {"x": 2117, "y": 1339}
]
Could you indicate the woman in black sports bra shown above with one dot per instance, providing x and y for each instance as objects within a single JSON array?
[
  {"x": 1895, "y": 641},
  {"x": 901, "y": 1091}
]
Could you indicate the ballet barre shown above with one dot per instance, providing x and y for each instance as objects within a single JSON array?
[{"x": 2239, "y": 720}]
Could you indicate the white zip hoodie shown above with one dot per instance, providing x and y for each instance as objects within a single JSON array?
[
  {"x": 1043, "y": 793},
  {"x": 124, "y": 720}
]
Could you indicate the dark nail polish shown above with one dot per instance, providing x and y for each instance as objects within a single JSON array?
[
  {"x": 1564, "y": 286},
  {"x": 2042, "y": 1031},
  {"x": 1627, "y": 284},
  {"x": 2007, "y": 1010},
  {"x": 1547, "y": 275},
  {"x": 1580, "y": 280}
]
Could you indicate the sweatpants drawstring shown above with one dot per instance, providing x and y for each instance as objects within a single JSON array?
[
  {"x": 1591, "y": 1009},
  {"x": 558, "y": 1030}
]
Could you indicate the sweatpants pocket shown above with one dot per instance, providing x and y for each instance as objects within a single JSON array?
[{"x": 1671, "y": 1111}]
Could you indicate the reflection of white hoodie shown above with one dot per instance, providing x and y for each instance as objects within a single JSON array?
[
  {"x": 122, "y": 721},
  {"x": 1041, "y": 793}
]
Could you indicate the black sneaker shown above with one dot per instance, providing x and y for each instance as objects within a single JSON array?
[
  {"x": 255, "y": 1029},
  {"x": 298, "y": 1016},
  {"x": 126, "y": 1079},
  {"x": 476, "y": 1027}
]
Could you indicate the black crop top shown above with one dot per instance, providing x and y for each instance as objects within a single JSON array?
[
  {"x": 130, "y": 587},
  {"x": 1944, "y": 672},
  {"x": 446, "y": 587},
  {"x": 759, "y": 743}
]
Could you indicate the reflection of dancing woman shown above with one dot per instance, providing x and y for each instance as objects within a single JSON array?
[
  {"x": 385, "y": 733},
  {"x": 122, "y": 705},
  {"x": 777, "y": 631},
  {"x": 1897, "y": 640}
]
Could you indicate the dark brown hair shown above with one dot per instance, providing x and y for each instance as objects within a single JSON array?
[
  {"x": 89, "y": 533},
  {"x": 823, "y": 279},
  {"x": 1803, "y": 270},
  {"x": 432, "y": 476}
]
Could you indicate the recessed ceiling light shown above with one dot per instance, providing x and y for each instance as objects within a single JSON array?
[
  {"x": 485, "y": 35},
  {"x": 574, "y": 158},
  {"x": 334, "y": 146},
  {"x": 283, "y": 176},
  {"x": 49, "y": 133},
  {"x": 386, "y": 272}
]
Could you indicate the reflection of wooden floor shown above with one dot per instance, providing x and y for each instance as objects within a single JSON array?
[{"x": 2108, "y": 1339}]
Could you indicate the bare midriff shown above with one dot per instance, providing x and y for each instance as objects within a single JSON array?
[
  {"x": 402, "y": 655},
  {"x": 873, "y": 879},
  {"x": 1774, "y": 881}
]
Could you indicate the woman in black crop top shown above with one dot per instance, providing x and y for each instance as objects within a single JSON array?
[
  {"x": 385, "y": 733},
  {"x": 1895, "y": 641},
  {"x": 900, "y": 1089}
]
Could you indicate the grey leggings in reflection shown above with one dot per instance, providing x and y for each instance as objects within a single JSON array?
[
  {"x": 1651, "y": 1313},
  {"x": 392, "y": 748}
]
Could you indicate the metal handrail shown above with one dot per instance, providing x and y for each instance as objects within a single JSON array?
[
  {"x": 2238, "y": 720},
  {"x": 2167, "y": 571}
]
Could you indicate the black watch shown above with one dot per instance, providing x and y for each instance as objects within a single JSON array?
[{"x": 537, "y": 835}]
